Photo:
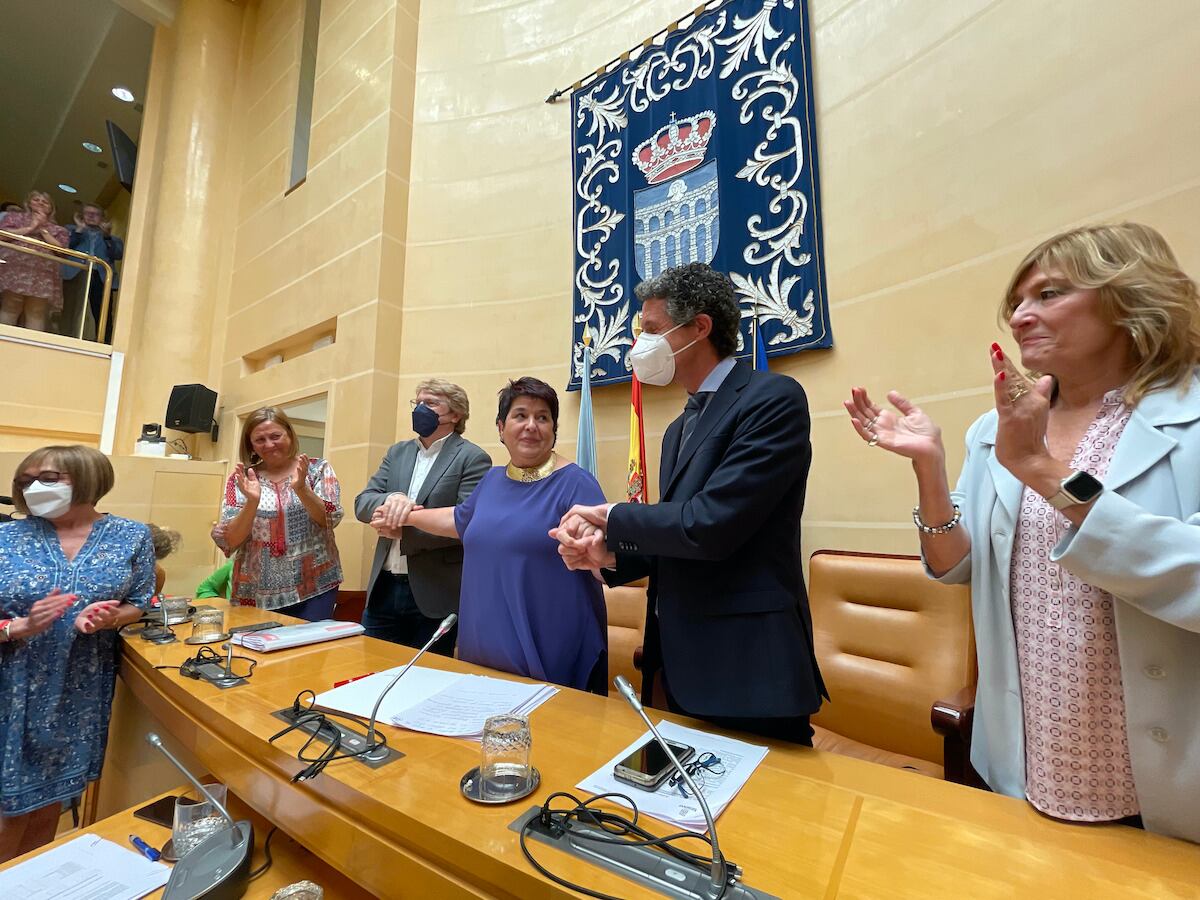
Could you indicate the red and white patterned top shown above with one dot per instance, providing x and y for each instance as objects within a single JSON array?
[{"x": 1076, "y": 747}]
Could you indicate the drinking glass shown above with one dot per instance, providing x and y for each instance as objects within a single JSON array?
[
  {"x": 208, "y": 625},
  {"x": 504, "y": 770},
  {"x": 196, "y": 819}
]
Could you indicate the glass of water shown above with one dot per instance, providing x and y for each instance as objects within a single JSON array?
[
  {"x": 196, "y": 819},
  {"x": 504, "y": 770}
]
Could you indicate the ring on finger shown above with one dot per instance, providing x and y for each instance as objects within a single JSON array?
[
  {"x": 873, "y": 441},
  {"x": 1016, "y": 392},
  {"x": 870, "y": 426}
]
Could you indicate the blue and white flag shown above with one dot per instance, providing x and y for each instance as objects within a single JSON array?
[
  {"x": 585, "y": 449},
  {"x": 701, "y": 148}
]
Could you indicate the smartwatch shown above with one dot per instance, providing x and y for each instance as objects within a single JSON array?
[{"x": 1077, "y": 488}]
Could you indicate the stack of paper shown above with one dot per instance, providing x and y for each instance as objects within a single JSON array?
[
  {"x": 86, "y": 868},
  {"x": 437, "y": 702},
  {"x": 719, "y": 783},
  {"x": 289, "y": 636},
  {"x": 460, "y": 709}
]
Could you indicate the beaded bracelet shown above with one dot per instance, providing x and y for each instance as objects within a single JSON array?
[{"x": 936, "y": 529}]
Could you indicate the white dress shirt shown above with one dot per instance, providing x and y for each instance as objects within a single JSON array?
[{"x": 397, "y": 562}]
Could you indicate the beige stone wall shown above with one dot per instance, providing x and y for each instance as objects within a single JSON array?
[{"x": 954, "y": 136}]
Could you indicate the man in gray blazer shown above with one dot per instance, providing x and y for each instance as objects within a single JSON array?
[{"x": 415, "y": 581}]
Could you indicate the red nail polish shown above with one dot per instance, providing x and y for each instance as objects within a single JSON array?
[
  {"x": 1001, "y": 376},
  {"x": 999, "y": 354},
  {"x": 995, "y": 347}
]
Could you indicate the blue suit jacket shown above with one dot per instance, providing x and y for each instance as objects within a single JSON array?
[{"x": 728, "y": 618}]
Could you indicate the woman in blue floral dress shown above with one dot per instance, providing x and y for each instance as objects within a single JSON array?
[{"x": 69, "y": 578}]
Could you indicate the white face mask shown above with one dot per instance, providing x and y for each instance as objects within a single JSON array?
[
  {"x": 48, "y": 501},
  {"x": 652, "y": 359}
]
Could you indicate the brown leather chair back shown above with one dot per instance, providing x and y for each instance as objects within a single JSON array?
[
  {"x": 890, "y": 641},
  {"x": 626, "y": 627}
]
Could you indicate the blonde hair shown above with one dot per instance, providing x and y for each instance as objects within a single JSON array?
[
  {"x": 267, "y": 414},
  {"x": 29, "y": 197},
  {"x": 91, "y": 472},
  {"x": 455, "y": 397},
  {"x": 1141, "y": 290}
]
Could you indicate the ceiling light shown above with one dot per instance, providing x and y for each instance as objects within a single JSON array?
[
  {"x": 92, "y": 148},
  {"x": 67, "y": 188},
  {"x": 123, "y": 93}
]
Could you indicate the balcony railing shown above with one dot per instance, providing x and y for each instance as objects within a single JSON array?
[{"x": 33, "y": 247}]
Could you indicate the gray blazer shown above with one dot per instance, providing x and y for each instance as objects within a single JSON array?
[{"x": 434, "y": 563}]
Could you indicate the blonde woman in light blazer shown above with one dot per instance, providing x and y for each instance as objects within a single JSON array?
[{"x": 1075, "y": 522}]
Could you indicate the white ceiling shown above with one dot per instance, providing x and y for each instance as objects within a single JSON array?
[{"x": 59, "y": 63}]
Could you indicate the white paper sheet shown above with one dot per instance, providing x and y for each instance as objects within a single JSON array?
[
  {"x": 86, "y": 868},
  {"x": 358, "y": 697},
  {"x": 461, "y": 709},
  {"x": 738, "y": 760}
]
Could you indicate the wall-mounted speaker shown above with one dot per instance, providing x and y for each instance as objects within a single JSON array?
[{"x": 191, "y": 408}]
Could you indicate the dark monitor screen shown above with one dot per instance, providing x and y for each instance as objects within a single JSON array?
[{"x": 124, "y": 154}]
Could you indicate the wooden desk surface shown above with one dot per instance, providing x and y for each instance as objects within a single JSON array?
[
  {"x": 290, "y": 862},
  {"x": 808, "y": 824}
]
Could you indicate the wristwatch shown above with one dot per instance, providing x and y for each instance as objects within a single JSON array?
[{"x": 1077, "y": 488}]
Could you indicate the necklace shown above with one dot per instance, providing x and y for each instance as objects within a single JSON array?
[{"x": 532, "y": 473}]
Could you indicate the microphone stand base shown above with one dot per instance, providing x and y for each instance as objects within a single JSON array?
[
  {"x": 352, "y": 741},
  {"x": 644, "y": 866}
]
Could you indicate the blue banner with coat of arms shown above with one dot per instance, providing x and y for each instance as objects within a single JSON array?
[{"x": 702, "y": 148}]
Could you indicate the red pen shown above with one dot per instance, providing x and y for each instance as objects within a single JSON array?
[{"x": 338, "y": 684}]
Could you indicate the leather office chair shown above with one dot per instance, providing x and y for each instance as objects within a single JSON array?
[
  {"x": 626, "y": 628},
  {"x": 897, "y": 650}
]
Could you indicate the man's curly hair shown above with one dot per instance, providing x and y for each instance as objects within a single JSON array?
[{"x": 693, "y": 289}]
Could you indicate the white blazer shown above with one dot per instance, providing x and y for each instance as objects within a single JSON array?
[{"x": 1140, "y": 542}]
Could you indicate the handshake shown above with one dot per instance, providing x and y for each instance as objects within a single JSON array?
[
  {"x": 391, "y": 516},
  {"x": 582, "y": 538}
]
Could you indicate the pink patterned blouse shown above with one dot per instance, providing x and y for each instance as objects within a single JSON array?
[{"x": 1076, "y": 749}]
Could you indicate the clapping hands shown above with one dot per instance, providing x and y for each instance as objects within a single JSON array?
[
  {"x": 97, "y": 616},
  {"x": 247, "y": 482}
]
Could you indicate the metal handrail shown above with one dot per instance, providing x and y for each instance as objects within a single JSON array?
[{"x": 75, "y": 258}]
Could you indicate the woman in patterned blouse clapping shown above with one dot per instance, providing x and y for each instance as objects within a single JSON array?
[{"x": 278, "y": 516}]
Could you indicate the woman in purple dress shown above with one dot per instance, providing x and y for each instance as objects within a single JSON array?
[{"x": 521, "y": 610}]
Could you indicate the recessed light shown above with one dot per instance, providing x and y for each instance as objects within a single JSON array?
[
  {"x": 123, "y": 93},
  {"x": 67, "y": 188},
  {"x": 92, "y": 148}
]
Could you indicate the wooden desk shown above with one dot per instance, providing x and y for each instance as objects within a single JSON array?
[
  {"x": 808, "y": 824},
  {"x": 290, "y": 861}
]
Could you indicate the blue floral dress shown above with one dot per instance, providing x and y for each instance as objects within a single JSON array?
[{"x": 56, "y": 688}]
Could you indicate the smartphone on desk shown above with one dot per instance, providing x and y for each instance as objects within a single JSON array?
[
  {"x": 160, "y": 812},
  {"x": 648, "y": 766}
]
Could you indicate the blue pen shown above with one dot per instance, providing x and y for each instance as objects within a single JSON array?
[{"x": 145, "y": 849}]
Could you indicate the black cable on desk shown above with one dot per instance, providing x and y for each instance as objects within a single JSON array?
[
  {"x": 319, "y": 718},
  {"x": 267, "y": 853},
  {"x": 558, "y": 820}
]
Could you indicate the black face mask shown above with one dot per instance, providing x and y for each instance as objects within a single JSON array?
[{"x": 425, "y": 420}]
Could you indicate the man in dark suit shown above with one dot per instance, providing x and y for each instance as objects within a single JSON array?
[
  {"x": 728, "y": 626},
  {"x": 415, "y": 576}
]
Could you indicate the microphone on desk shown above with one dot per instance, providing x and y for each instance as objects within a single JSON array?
[
  {"x": 380, "y": 750},
  {"x": 218, "y": 868},
  {"x": 718, "y": 874}
]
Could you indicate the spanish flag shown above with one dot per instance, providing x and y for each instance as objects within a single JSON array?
[{"x": 635, "y": 488}]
